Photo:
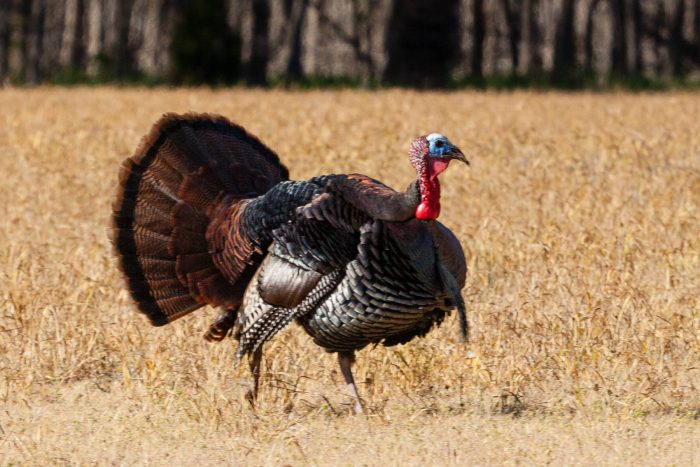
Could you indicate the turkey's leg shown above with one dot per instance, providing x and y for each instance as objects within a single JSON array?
[
  {"x": 346, "y": 360},
  {"x": 255, "y": 359}
]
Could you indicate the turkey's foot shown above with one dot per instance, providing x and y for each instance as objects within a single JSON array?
[{"x": 346, "y": 359}]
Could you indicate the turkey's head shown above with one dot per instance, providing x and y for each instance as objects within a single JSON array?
[{"x": 430, "y": 155}]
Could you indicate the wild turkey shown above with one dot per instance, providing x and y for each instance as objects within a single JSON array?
[{"x": 204, "y": 214}]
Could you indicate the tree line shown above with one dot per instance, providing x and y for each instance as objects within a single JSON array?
[{"x": 405, "y": 42}]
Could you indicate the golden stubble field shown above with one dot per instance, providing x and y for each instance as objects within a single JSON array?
[{"x": 580, "y": 219}]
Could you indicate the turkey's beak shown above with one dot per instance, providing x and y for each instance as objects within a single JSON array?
[{"x": 455, "y": 153}]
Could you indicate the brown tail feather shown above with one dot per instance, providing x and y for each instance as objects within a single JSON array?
[
  {"x": 155, "y": 244},
  {"x": 168, "y": 192}
]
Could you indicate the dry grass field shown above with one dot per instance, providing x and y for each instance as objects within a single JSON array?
[{"x": 580, "y": 217}]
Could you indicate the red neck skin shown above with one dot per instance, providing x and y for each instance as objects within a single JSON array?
[{"x": 429, "y": 207}]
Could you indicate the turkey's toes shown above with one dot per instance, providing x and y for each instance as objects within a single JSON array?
[
  {"x": 250, "y": 397},
  {"x": 220, "y": 328},
  {"x": 215, "y": 334},
  {"x": 358, "y": 408}
]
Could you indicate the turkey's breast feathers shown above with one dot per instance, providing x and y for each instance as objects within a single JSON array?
[{"x": 349, "y": 277}]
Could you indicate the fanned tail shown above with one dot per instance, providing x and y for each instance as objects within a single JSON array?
[{"x": 186, "y": 179}]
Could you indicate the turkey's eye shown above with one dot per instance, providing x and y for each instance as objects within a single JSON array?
[{"x": 439, "y": 143}]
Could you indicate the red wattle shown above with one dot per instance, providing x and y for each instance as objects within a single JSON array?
[
  {"x": 429, "y": 208},
  {"x": 426, "y": 212}
]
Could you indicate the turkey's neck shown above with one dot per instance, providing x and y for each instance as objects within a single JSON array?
[{"x": 429, "y": 207}]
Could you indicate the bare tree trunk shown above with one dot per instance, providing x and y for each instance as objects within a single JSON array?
[
  {"x": 95, "y": 36},
  {"x": 53, "y": 26},
  {"x": 23, "y": 33},
  {"x": 123, "y": 54},
  {"x": 564, "y": 44},
  {"x": 638, "y": 35},
  {"x": 294, "y": 66},
  {"x": 535, "y": 38},
  {"x": 72, "y": 48},
  {"x": 479, "y": 34},
  {"x": 5, "y": 12},
  {"x": 16, "y": 38},
  {"x": 677, "y": 45},
  {"x": 364, "y": 24},
  {"x": 422, "y": 46},
  {"x": 696, "y": 22},
  {"x": 148, "y": 52},
  {"x": 260, "y": 53},
  {"x": 35, "y": 41},
  {"x": 659, "y": 42},
  {"x": 588, "y": 40},
  {"x": 361, "y": 13},
  {"x": 513, "y": 21},
  {"x": 619, "y": 47}
]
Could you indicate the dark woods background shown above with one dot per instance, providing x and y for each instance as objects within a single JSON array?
[{"x": 436, "y": 43}]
